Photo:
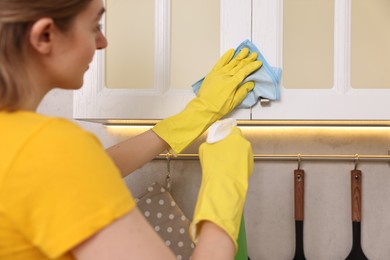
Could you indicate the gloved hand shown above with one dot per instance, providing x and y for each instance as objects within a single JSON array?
[
  {"x": 226, "y": 168},
  {"x": 219, "y": 94}
]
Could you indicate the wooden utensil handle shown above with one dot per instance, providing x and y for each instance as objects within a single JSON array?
[
  {"x": 356, "y": 189},
  {"x": 299, "y": 184}
]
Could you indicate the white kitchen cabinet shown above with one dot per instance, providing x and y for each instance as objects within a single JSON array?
[
  {"x": 333, "y": 55},
  {"x": 180, "y": 33},
  {"x": 342, "y": 79}
]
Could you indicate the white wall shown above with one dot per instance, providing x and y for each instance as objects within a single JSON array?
[{"x": 269, "y": 210}]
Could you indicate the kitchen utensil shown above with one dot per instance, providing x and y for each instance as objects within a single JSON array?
[
  {"x": 299, "y": 183},
  {"x": 356, "y": 189}
]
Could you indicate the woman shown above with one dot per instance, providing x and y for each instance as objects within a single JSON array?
[{"x": 61, "y": 195}]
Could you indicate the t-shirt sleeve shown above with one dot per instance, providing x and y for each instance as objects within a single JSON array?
[{"x": 64, "y": 188}]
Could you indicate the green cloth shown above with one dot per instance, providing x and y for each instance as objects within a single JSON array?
[{"x": 242, "y": 253}]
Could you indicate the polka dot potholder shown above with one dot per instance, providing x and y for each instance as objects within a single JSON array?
[{"x": 167, "y": 219}]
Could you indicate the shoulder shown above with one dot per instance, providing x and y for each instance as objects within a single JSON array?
[
  {"x": 59, "y": 134},
  {"x": 62, "y": 130},
  {"x": 52, "y": 145},
  {"x": 19, "y": 128},
  {"x": 61, "y": 141}
]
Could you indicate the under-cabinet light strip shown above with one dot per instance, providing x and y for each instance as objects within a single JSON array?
[
  {"x": 352, "y": 123},
  {"x": 293, "y": 157}
]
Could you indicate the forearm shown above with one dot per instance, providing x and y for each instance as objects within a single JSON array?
[
  {"x": 134, "y": 152},
  {"x": 213, "y": 243}
]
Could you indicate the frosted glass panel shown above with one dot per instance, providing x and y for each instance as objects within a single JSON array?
[
  {"x": 195, "y": 34},
  {"x": 370, "y": 44},
  {"x": 130, "y": 51},
  {"x": 308, "y": 44}
]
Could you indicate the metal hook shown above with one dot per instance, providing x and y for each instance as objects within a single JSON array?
[
  {"x": 356, "y": 161},
  {"x": 168, "y": 176},
  {"x": 299, "y": 161}
]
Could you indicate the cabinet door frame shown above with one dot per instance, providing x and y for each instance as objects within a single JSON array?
[
  {"x": 342, "y": 102},
  {"x": 95, "y": 102}
]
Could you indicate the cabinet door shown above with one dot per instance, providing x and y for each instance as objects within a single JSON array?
[
  {"x": 157, "y": 50},
  {"x": 334, "y": 56}
]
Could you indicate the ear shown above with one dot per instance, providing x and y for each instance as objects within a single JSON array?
[{"x": 42, "y": 35}]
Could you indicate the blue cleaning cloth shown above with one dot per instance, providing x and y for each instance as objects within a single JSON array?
[{"x": 266, "y": 79}]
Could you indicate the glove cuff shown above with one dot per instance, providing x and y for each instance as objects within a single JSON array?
[
  {"x": 221, "y": 202},
  {"x": 182, "y": 129}
]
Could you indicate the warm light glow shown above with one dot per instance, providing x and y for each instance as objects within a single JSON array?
[
  {"x": 281, "y": 133},
  {"x": 285, "y": 123},
  {"x": 330, "y": 123},
  {"x": 127, "y": 130},
  {"x": 281, "y": 128},
  {"x": 314, "y": 130}
]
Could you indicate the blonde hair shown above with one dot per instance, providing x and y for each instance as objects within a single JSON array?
[{"x": 16, "y": 17}]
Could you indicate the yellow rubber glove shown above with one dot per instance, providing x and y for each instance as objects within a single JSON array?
[
  {"x": 219, "y": 94},
  {"x": 226, "y": 168}
]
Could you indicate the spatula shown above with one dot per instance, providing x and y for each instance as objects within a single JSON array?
[
  {"x": 299, "y": 184},
  {"x": 356, "y": 189}
]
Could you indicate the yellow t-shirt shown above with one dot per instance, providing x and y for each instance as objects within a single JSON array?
[{"x": 57, "y": 187}]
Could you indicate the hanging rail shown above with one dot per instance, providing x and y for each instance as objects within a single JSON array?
[{"x": 293, "y": 157}]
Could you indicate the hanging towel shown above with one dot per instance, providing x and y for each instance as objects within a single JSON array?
[
  {"x": 167, "y": 219},
  {"x": 266, "y": 79}
]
